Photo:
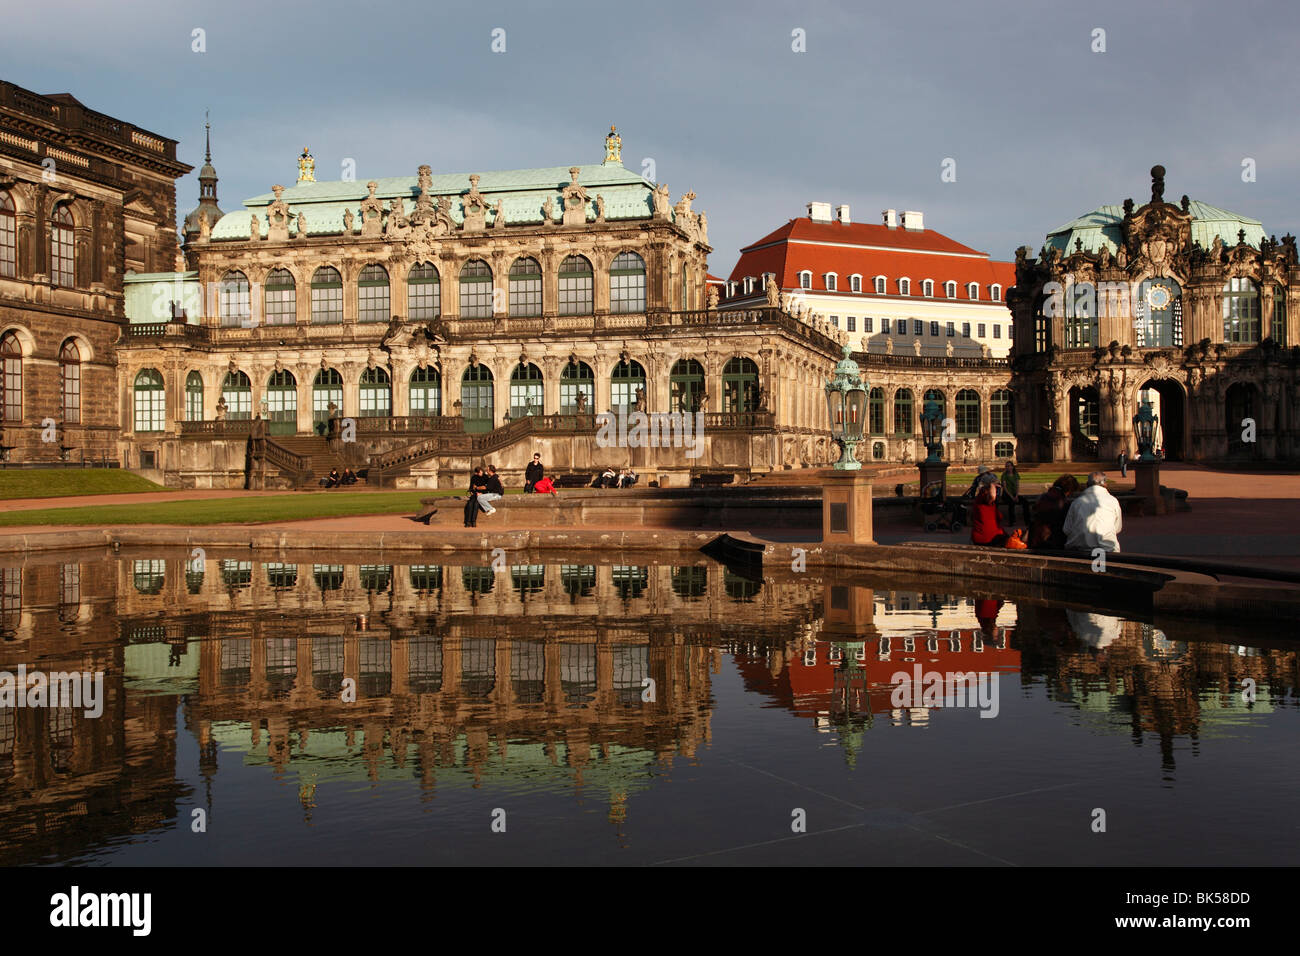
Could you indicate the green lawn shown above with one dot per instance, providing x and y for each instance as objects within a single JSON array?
[
  {"x": 253, "y": 510},
  {"x": 60, "y": 483}
]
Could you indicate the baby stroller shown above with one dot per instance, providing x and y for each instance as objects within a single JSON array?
[{"x": 936, "y": 513}]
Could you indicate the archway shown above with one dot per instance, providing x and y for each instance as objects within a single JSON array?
[
  {"x": 1241, "y": 403},
  {"x": 1169, "y": 403},
  {"x": 1085, "y": 423}
]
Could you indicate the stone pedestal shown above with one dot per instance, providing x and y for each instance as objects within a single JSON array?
[
  {"x": 1146, "y": 479},
  {"x": 932, "y": 471},
  {"x": 846, "y": 507}
]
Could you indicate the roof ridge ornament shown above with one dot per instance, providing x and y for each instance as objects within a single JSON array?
[
  {"x": 613, "y": 147},
  {"x": 1157, "y": 184},
  {"x": 306, "y": 167}
]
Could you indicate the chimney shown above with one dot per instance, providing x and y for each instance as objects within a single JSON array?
[
  {"x": 891, "y": 218},
  {"x": 842, "y": 214},
  {"x": 912, "y": 220},
  {"x": 819, "y": 211}
]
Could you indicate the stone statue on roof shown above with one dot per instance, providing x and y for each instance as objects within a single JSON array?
[
  {"x": 372, "y": 212},
  {"x": 773, "y": 291},
  {"x": 661, "y": 202}
]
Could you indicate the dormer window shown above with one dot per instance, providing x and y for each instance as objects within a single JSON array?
[
  {"x": 995, "y": 292},
  {"x": 855, "y": 283},
  {"x": 904, "y": 286},
  {"x": 950, "y": 289},
  {"x": 972, "y": 290},
  {"x": 927, "y": 288},
  {"x": 749, "y": 284},
  {"x": 880, "y": 285},
  {"x": 831, "y": 279},
  {"x": 731, "y": 289},
  {"x": 805, "y": 279}
]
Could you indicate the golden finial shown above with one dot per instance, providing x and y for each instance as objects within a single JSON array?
[
  {"x": 306, "y": 167},
  {"x": 614, "y": 147}
]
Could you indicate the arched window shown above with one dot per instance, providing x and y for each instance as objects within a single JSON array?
[
  {"x": 425, "y": 392},
  {"x": 326, "y": 390},
  {"x": 525, "y": 287},
  {"x": 740, "y": 385},
  {"x": 968, "y": 413},
  {"x": 476, "y": 398},
  {"x": 282, "y": 403},
  {"x": 927, "y": 287},
  {"x": 972, "y": 290},
  {"x": 995, "y": 292},
  {"x": 326, "y": 296},
  {"x": 61, "y": 255},
  {"x": 423, "y": 292},
  {"x": 194, "y": 397},
  {"x": 686, "y": 386},
  {"x": 1001, "y": 413},
  {"x": 575, "y": 286},
  {"x": 234, "y": 307},
  {"x": 11, "y": 381},
  {"x": 372, "y": 294},
  {"x": 577, "y": 379},
  {"x": 279, "y": 299},
  {"x": 904, "y": 286},
  {"x": 876, "y": 412},
  {"x": 627, "y": 379},
  {"x": 879, "y": 283},
  {"x": 950, "y": 289},
  {"x": 70, "y": 382},
  {"x": 904, "y": 420},
  {"x": 525, "y": 391},
  {"x": 376, "y": 393},
  {"x": 150, "y": 401},
  {"x": 237, "y": 390},
  {"x": 476, "y": 290},
  {"x": 627, "y": 284},
  {"x": 832, "y": 281},
  {"x": 1240, "y": 311},
  {"x": 1277, "y": 330},
  {"x": 805, "y": 279},
  {"x": 8, "y": 236}
]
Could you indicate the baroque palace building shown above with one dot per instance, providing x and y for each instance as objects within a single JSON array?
[
  {"x": 1184, "y": 306},
  {"x": 449, "y": 319},
  {"x": 84, "y": 199}
]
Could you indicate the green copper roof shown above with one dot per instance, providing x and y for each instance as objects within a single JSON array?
[
  {"x": 522, "y": 192},
  {"x": 1102, "y": 227}
]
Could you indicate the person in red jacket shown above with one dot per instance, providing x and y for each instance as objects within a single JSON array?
[{"x": 986, "y": 524}]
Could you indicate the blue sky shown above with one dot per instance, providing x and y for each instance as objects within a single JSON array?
[{"x": 1041, "y": 127}]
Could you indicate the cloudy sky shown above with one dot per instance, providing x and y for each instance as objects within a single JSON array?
[{"x": 1040, "y": 126}]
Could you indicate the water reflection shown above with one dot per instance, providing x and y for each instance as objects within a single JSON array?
[{"x": 565, "y": 678}]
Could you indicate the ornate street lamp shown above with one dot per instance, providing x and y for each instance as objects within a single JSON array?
[
  {"x": 1144, "y": 427},
  {"x": 846, "y": 404},
  {"x": 932, "y": 430}
]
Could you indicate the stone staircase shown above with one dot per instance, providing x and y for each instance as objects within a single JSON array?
[{"x": 302, "y": 460}]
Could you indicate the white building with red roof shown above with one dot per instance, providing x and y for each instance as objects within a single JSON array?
[{"x": 893, "y": 287}]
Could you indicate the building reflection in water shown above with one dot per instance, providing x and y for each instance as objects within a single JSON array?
[{"x": 579, "y": 678}]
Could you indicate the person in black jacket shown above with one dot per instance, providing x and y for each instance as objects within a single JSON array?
[
  {"x": 533, "y": 473},
  {"x": 493, "y": 490},
  {"x": 477, "y": 485}
]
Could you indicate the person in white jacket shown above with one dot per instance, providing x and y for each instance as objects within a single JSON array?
[{"x": 1094, "y": 519}]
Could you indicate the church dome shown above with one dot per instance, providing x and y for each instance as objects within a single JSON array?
[{"x": 1104, "y": 227}]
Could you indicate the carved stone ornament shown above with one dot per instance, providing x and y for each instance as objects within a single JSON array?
[
  {"x": 548, "y": 209},
  {"x": 372, "y": 212},
  {"x": 475, "y": 207},
  {"x": 254, "y": 228},
  {"x": 662, "y": 210},
  {"x": 398, "y": 226},
  {"x": 349, "y": 221},
  {"x": 302, "y": 225},
  {"x": 277, "y": 217},
  {"x": 575, "y": 200},
  {"x": 600, "y": 208}
]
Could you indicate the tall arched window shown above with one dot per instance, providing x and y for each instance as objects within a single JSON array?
[
  {"x": 8, "y": 236},
  {"x": 11, "y": 381},
  {"x": 234, "y": 306},
  {"x": 62, "y": 259},
  {"x": 282, "y": 403},
  {"x": 1001, "y": 413},
  {"x": 150, "y": 401},
  {"x": 425, "y": 392},
  {"x": 577, "y": 379},
  {"x": 686, "y": 386},
  {"x": 476, "y": 398},
  {"x": 376, "y": 393},
  {"x": 423, "y": 292},
  {"x": 194, "y": 397},
  {"x": 476, "y": 290},
  {"x": 1240, "y": 311},
  {"x": 280, "y": 299},
  {"x": 326, "y": 390},
  {"x": 525, "y": 391},
  {"x": 326, "y": 296},
  {"x": 627, "y": 284},
  {"x": 525, "y": 287},
  {"x": 70, "y": 382},
  {"x": 876, "y": 412},
  {"x": 740, "y": 385},
  {"x": 372, "y": 294},
  {"x": 627, "y": 379},
  {"x": 968, "y": 413},
  {"x": 237, "y": 391},
  {"x": 903, "y": 418},
  {"x": 575, "y": 286}
]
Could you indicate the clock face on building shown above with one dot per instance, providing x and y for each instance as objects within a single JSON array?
[{"x": 1158, "y": 297}]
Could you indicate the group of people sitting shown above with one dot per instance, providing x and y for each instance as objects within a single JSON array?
[
  {"x": 625, "y": 478},
  {"x": 484, "y": 488},
  {"x": 334, "y": 479},
  {"x": 1063, "y": 517}
]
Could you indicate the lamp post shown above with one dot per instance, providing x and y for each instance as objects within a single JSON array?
[
  {"x": 932, "y": 468},
  {"x": 1144, "y": 427},
  {"x": 846, "y": 405},
  {"x": 1146, "y": 469}
]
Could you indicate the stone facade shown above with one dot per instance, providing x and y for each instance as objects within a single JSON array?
[{"x": 84, "y": 199}]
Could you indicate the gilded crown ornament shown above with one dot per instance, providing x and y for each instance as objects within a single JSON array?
[
  {"x": 613, "y": 147},
  {"x": 306, "y": 167}
]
